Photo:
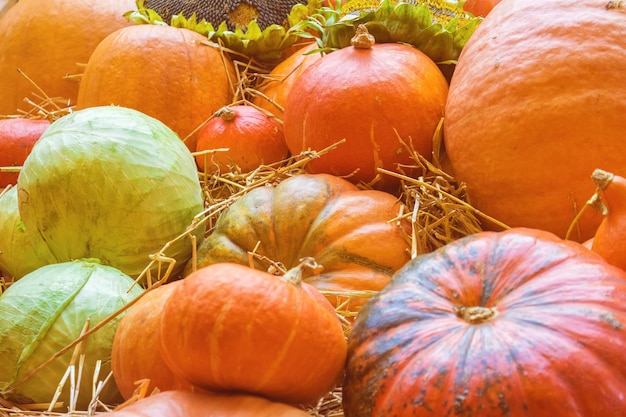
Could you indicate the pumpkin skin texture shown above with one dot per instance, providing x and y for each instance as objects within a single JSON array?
[
  {"x": 346, "y": 230},
  {"x": 231, "y": 328},
  {"x": 610, "y": 238},
  {"x": 517, "y": 323},
  {"x": 136, "y": 353},
  {"x": 279, "y": 82},
  {"x": 48, "y": 40},
  {"x": 17, "y": 137},
  {"x": 251, "y": 137},
  {"x": 188, "y": 404},
  {"x": 375, "y": 98},
  {"x": 533, "y": 110},
  {"x": 165, "y": 72}
]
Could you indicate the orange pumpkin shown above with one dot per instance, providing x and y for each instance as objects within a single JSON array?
[
  {"x": 479, "y": 7},
  {"x": 17, "y": 138},
  {"x": 231, "y": 328},
  {"x": 136, "y": 353},
  {"x": 188, "y": 404},
  {"x": 533, "y": 109},
  {"x": 275, "y": 86},
  {"x": 48, "y": 41},
  {"x": 610, "y": 238},
  {"x": 174, "y": 75},
  {"x": 348, "y": 231},
  {"x": 382, "y": 99},
  {"x": 251, "y": 138}
]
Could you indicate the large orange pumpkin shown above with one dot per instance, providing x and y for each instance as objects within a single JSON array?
[
  {"x": 536, "y": 103},
  {"x": 517, "y": 323},
  {"x": 174, "y": 75},
  {"x": 232, "y": 328},
  {"x": 48, "y": 40},
  {"x": 350, "y": 232},
  {"x": 381, "y": 98}
]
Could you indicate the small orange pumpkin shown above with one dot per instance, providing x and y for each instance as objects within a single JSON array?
[
  {"x": 251, "y": 138},
  {"x": 383, "y": 99},
  {"x": 17, "y": 138},
  {"x": 610, "y": 237},
  {"x": 174, "y": 75},
  {"x": 136, "y": 352},
  {"x": 189, "y": 404},
  {"x": 479, "y": 7},
  {"x": 232, "y": 328}
]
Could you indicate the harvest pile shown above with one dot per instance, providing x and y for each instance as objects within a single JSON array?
[{"x": 324, "y": 208}]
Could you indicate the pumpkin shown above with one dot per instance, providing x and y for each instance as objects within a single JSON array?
[
  {"x": 188, "y": 404},
  {"x": 136, "y": 354},
  {"x": 175, "y": 75},
  {"x": 274, "y": 87},
  {"x": 610, "y": 238},
  {"x": 516, "y": 323},
  {"x": 17, "y": 137},
  {"x": 232, "y": 328},
  {"x": 348, "y": 231},
  {"x": 479, "y": 7},
  {"x": 533, "y": 110},
  {"x": 246, "y": 138},
  {"x": 385, "y": 100},
  {"x": 48, "y": 41}
]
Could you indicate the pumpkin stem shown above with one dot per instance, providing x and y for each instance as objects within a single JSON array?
[
  {"x": 602, "y": 178},
  {"x": 362, "y": 38},
  {"x": 476, "y": 314},
  {"x": 226, "y": 113},
  {"x": 295, "y": 274}
]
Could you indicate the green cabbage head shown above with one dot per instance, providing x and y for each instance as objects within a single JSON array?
[
  {"x": 111, "y": 183},
  {"x": 44, "y": 312}
]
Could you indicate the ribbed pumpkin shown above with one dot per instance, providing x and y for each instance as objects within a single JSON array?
[
  {"x": 136, "y": 352},
  {"x": 534, "y": 108},
  {"x": 246, "y": 138},
  {"x": 275, "y": 86},
  {"x": 610, "y": 237},
  {"x": 174, "y": 75},
  {"x": 381, "y": 98},
  {"x": 17, "y": 137},
  {"x": 49, "y": 40},
  {"x": 232, "y": 328},
  {"x": 188, "y": 404},
  {"x": 348, "y": 231},
  {"x": 516, "y": 323}
]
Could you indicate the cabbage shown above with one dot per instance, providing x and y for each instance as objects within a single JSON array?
[
  {"x": 20, "y": 252},
  {"x": 44, "y": 312},
  {"x": 110, "y": 183}
]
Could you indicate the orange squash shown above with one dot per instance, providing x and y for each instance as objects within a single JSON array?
[
  {"x": 188, "y": 404},
  {"x": 479, "y": 7},
  {"x": 247, "y": 136},
  {"x": 533, "y": 109},
  {"x": 17, "y": 138},
  {"x": 174, "y": 75},
  {"x": 382, "y": 99},
  {"x": 136, "y": 353},
  {"x": 48, "y": 41},
  {"x": 232, "y": 328},
  {"x": 610, "y": 238},
  {"x": 274, "y": 88}
]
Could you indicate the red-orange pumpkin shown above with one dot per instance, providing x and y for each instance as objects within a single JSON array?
[
  {"x": 188, "y": 404},
  {"x": 136, "y": 353},
  {"x": 232, "y": 328},
  {"x": 533, "y": 109},
  {"x": 383, "y": 99},
  {"x": 17, "y": 138},
  {"x": 610, "y": 238},
  {"x": 174, "y": 75},
  {"x": 517, "y": 323},
  {"x": 350, "y": 232},
  {"x": 246, "y": 136},
  {"x": 479, "y": 7}
]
